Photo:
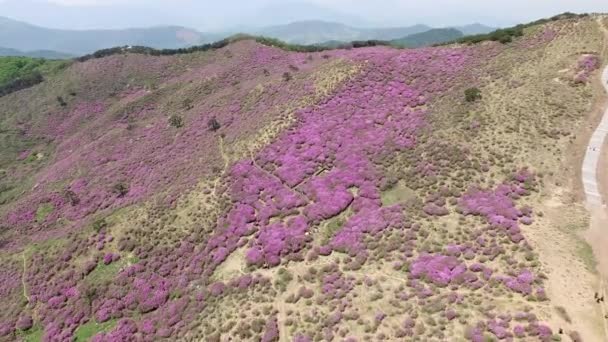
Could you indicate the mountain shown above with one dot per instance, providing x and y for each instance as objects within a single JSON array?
[
  {"x": 252, "y": 193},
  {"x": 26, "y": 37},
  {"x": 48, "y": 54},
  {"x": 393, "y": 32},
  {"x": 475, "y": 28},
  {"x": 54, "y": 43},
  {"x": 317, "y": 31},
  {"x": 427, "y": 38},
  {"x": 311, "y": 32},
  {"x": 285, "y": 13}
]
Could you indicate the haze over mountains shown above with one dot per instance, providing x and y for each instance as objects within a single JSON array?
[
  {"x": 25, "y": 37},
  {"x": 37, "y": 41},
  {"x": 8, "y": 52},
  {"x": 316, "y": 31}
]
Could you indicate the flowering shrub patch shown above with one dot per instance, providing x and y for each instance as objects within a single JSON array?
[
  {"x": 439, "y": 269},
  {"x": 421, "y": 264},
  {"x": 585, "y": 66}
]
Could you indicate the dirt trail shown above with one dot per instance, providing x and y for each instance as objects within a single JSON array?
[
  {"x": 226, "y": 160},
  {"x": 594, "y": 198},
  {"x": 23, "y": 278},
  {"x": 592, "y": 156}
]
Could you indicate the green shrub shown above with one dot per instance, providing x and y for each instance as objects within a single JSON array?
[
  {"x": 98, "y": 225},
  {"x": 213, "y": 124},
  {"x": 176, "y": 121},
  {"x": 121, "y": 189},
  {"x": 43, "y": 211},
  {"x": 17, "y": 73},
  {"x": 20, "y": 83},
  {"x": 472, "y": 94},
  {"x": 61, "y": 101}
]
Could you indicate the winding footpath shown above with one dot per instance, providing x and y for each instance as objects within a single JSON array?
[{"x": 592, "y": 157}]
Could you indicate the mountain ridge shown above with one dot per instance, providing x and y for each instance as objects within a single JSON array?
[
  {"x": 27, "y": 37},
  {"x": 48, "y": 54}
]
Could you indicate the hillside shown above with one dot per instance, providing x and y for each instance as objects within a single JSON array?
[
  {"x": 250, "y": 193},
  {"x": 26, "y": 37}
]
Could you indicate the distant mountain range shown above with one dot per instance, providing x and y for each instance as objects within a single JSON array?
[
  {"x": 315, "y": 32},
  {"x": 25, "y": 37},
  {"x": 19, "y": 38},
  {"x": 48, "y": 54},
  {"x": 430, "y": 37},
  {"x": 476, "y": 28}
]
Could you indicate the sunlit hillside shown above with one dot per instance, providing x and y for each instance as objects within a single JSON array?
[{"x": 251, "y": 193}]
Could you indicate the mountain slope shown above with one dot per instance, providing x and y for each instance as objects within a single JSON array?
[
  {"x": 251, "y": 193},
  {"x": 311, "y": 32},
  {"x": 427, "y": 38},
  {"x": 474, "y": 29},
  {"x": 26, "y": 37}
]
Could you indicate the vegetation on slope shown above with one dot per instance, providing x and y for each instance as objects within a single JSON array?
[
  {"x": 434, "y": 36},
  {"x": 48, "y": 54},
  {"x": 18, "y": 73},
  {"x": 438, "y": 37},
  {"x": 507, "y": 35},
  {"x": 225, "y": 42}
]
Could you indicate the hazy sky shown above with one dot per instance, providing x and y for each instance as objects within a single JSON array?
[{"x": 225, "y": 14}]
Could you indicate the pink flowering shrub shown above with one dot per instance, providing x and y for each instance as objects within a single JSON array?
[
  {"x": 368, "y": 222},
  {"x": 6, "y": 328},
  {"x": 271, "y": 331},
  {"x": 498, "y": 205},
  {"x": 302, "y": 338},
  {"x": 439, "y": 269},
  {"x": 24, "y": 322},
  {"x": 335, "y": 285},
  {"x": 331, "y": 150},
  {"x": 585, "y": 66},
  {"x": 522, "y": 283},
  {"x": 24, "y": 154},
  {"x": 276, "y": 240},
  {"x": 150, "y": 293}
]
